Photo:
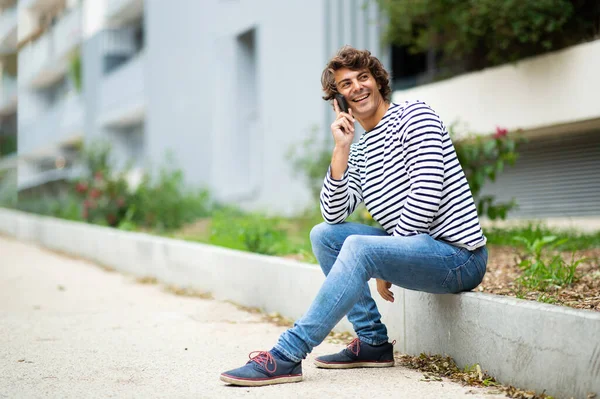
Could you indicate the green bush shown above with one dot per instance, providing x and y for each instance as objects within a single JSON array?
[
  {"x": 163, "y": 203},
  {"x": 160, "y": 203},
  {"x": 8, "y": 144},
  {"x": 483, "y": 158},
  {"x": 480, "y": 33},
  {"x": 66, "y": 207},
  {"x": 252, "y": 232},
  {"x": 103, "y": 191}
]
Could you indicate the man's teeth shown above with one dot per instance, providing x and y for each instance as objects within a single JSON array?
[{"x": 361, "y": 98}]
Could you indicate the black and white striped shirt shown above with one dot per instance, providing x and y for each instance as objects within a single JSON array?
[{"x": 406, "y": 171}]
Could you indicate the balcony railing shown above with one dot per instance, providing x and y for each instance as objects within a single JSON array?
[
  {"x": 45, "y": 60},
  {"x": 59, "y": 125},
  {"x": 8, "y": 30}
]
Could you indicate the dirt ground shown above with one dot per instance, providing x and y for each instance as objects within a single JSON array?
[{"x": 503, "y": 270}]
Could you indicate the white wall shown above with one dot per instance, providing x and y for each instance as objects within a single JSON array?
[
  {"x": 194, "y": 93},
  {"x": 552, "y": 89},
  {"x": 93, "y": 17}
]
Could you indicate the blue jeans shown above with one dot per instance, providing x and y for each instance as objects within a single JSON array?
[{"x": 350, "y": 254}]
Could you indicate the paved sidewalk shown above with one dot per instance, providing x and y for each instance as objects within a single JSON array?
[{"x": 69, "y": 329}]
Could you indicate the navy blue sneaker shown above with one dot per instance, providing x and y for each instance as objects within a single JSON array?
[
  {"x": 359, "y": 354},
  {"x": 264, "y": 369}
]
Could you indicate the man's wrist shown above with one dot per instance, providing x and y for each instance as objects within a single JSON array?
[{"x": 342, "y": 147}]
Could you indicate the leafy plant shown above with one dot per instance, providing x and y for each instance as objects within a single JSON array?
[
  {"x": 540, "y": 270},
  {"x": 8, "y": 144},
  {"x": 164, "y": 203},
  {"x": 104, "y": 192},
  {"x": 545, "y": 298},
  {"x": 252, "y": 232},
  {"x": 127, "y": 223},
  {"x": 65, "y": 207},
  {"x": 75, "y": 73},
  {"x": 483, "y": 158},
  {"x": 159, "y": 202}
]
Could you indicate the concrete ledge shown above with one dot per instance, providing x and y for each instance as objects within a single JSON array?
[{"x": 526, "y": 344}]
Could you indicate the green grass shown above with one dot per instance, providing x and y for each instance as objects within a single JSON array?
[
  {"x": 290, "y": 237},
  {"x": 258, "y": 233},
  {"x": 574, "y": 240}
]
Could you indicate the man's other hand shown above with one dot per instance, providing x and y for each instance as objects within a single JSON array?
[{"x": 383, "y": 287}]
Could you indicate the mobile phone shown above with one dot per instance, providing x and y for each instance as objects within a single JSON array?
[{"x": 342, "y": 103}]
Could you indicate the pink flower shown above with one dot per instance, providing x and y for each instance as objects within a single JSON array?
[
  {"x": 120, "y": 202},
  {"x": 500, "y": 132},
  {"x": 95, "y": 193},
  {"x": 99, "y": 175},
  {"x": 81, "y": 187}
]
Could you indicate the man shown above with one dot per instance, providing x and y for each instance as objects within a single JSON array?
[{"x": 405, "y": 169}]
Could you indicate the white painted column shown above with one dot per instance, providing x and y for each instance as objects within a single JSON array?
[{"x": 94, "y": 17}]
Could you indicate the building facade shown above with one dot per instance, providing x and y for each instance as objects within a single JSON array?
[{"x": 227, "y": 87}]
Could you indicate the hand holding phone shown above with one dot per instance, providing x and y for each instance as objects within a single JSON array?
[
  {"x": 342, "y": 103},
  {"x": 343, "y": 126}
]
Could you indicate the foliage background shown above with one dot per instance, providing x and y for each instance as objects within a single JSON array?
[{"x": 468, "y": 35}]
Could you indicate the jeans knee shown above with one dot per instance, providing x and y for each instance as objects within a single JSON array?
[
  {"x": 353, "y": 243},
  {"x": 319, "y": 233},
  {"x": 355, "y": 252}
]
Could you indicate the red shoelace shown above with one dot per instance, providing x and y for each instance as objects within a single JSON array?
[
  {"x": 354, "y": 346},
  {"x": 263, "y": 358}
]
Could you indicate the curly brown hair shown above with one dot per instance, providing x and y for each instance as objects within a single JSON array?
[{"x": 349, "y": 57}]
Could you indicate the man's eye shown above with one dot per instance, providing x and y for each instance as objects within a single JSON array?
[
  {"x": 345, "y": 84},
  {"x": 363, "y": 77}
]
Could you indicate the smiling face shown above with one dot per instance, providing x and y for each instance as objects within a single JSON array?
[{"x": 361, "y": 91}]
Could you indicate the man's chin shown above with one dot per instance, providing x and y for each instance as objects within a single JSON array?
[{"x": 362, "y": 109}]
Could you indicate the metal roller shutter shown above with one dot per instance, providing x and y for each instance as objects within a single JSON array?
[{"x": 555, "y": 176}]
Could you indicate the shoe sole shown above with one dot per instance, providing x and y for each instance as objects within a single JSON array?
[
  {"x": 353, "y": 365},
  {"x": 260, "y": 382}
]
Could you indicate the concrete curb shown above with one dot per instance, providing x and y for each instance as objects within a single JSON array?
[{"x": 522, "y": 343}]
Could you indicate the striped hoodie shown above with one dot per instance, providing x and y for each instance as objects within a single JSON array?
[{"x": 406, "y": 171}]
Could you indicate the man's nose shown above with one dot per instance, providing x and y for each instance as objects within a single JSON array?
[{"x": 355, "y": 85}]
